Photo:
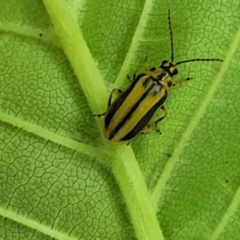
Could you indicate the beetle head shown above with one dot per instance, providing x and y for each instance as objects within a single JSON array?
[{"x": 169, "y": 67}]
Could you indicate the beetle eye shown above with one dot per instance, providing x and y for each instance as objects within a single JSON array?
[
  {"x": 175, "y": 72},
  {"x": 163, "y": 62}
]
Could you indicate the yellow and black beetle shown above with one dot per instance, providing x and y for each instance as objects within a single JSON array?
[{"x": 132, "y": 111}]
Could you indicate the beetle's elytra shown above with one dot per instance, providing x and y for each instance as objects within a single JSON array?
[{"x": 132, "y": 111}]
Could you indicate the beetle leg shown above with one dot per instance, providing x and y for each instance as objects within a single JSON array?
[
  {"x": 99, "y": 114},
  {"x": 147, "y": 129},
  {"x": 134, "y": 75},
  {"x": 114, "y": 91},
  {"x": 164, "y": 110},
  {"x": 129, "y": 78},
  {"x": 145, "y": 63},
  {"x": 133, "y": 78},
  {"x": 179, "y": 84},
  {"x": 146, "y": 66}
]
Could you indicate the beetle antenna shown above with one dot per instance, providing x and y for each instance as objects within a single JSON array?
[
  {"x": 171, "y": 35},
  {"x": 200, "y": 59}
]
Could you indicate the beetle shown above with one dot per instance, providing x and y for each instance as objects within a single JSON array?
[{"x": 133, "y": 109}]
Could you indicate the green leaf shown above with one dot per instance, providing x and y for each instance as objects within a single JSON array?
[{"x": 60, "y": 179}]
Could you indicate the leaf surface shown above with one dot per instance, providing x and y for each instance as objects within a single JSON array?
[{"x": 60, "y": 179}]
